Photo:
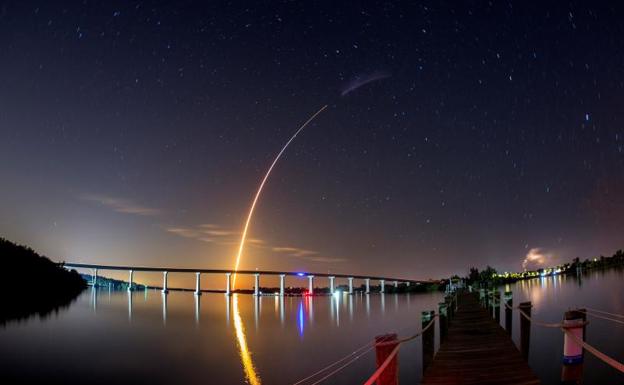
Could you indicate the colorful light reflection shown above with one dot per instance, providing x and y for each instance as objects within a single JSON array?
[{"x": 300, "y": 319}]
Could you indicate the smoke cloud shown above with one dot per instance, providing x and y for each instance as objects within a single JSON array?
[{"x": 537, "y": 258}]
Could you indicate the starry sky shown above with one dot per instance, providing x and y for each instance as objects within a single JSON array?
[{"x": 457, "y": 134}]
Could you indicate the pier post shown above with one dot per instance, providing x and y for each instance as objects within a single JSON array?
[
  {"x": 508, "y": 298},
  {"x": 331, "y": 285},
  {"x": 165, "y": 289},
  {"x": 282, "y": 278},
  {"x": 198, "y": 283},
  {"x": 94, "y": 283},
  {"x": 443, "y": 311},
  {"x": 482, "y": 297},
  {"x": 367, "y": 282},
  {"x": 525, "y": 329},
  {"x": 428, "y": 338},
  {"x": 350, "y": 285},
  {"x": 497, "y": 304},
  {"x": 450, "y": 308},
  {"x": 130, "y": 273},
  {"x": 228, "y": 286},
  {"x": 256, "y": 284},
  {"x": 310, "y": 284},
  {"x": 384, "y": 345},
  {"x": 382, "y": 283},
  {"x": 572, "y": 368}
]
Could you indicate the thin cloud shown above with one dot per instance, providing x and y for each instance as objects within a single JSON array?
[
  {"x": 121, "y": 205},
  {"x": 294, "y": 251},
  {"x": 215, "y": 234},
  {"x": 209, "y": 233},
  {"x": 308, "y": 255}
]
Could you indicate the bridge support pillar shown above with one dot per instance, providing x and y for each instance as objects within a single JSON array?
[
  {"x": 367, "y": 281},
  {"x": 310, "y": 284},
  {"x": 282, "y": 278},
  {"x": 396, "y": 284},
  {"x": 350, "y": 285},
  {"x": 228, "y": 286},
  {"x": 94, "y": 283},
  {"x": 198, "y": 283},
  {"x": 382, "y": 283},
  {"x": 407, "y": 284},
  {"x": 256, "y": 284},
  {"x": 165, "y": 289},
  {"x": 130, "y": 274},
  {"x": 332, "y": 289}
]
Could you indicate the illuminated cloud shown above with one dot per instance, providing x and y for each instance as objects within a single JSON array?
[
  {"x": 536, "y": 258},
  {"x": 209, "y": 233},
  {"x": 215, "y": 234},
  {"x": 308, "y": 255},
  {"x": 121, "y": 205}
]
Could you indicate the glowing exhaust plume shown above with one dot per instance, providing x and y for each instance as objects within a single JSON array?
[{"x": 255, "y": 200}]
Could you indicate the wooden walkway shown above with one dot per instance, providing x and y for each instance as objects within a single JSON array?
[{"x": 477, "y": 351}]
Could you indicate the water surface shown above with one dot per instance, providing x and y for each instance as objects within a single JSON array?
[{"x": 145, "y": 336}]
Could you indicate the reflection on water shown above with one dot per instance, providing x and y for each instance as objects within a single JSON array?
[
  {"x": 164, "y": 297},
  {"x": 245, "y": 355},
  {"x": 132, "y": 334},
  {"x": 197, "y": 308},
  {"x": 300, "y": 319}
]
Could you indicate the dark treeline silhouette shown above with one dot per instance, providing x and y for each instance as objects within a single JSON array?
[{"x": 32, "y": 284}]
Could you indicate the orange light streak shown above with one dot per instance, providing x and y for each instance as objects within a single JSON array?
[{"x": 255, "y": 200}]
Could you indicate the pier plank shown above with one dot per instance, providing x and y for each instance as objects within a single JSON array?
[{"x": 477, "y": 350}]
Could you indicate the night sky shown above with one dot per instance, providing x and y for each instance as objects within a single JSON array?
[{"x": 137, "y": 133}]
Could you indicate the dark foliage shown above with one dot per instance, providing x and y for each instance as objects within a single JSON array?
[{"x": 32, "y": 284}]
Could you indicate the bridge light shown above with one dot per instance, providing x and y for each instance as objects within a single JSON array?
[{"x": 301, "y": 274}]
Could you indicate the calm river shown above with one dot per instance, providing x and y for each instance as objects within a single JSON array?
[{"x": 145, "y": 337}]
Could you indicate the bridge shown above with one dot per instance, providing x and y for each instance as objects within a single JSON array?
[{"x": 256, "y": 273}]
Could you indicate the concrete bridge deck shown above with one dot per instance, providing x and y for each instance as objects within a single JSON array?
[{"x": 477, "y": 351}]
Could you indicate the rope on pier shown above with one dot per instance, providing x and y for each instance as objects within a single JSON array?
[
  {"x": 598, "y": 354},
  {"x": 394, "y": 352},
  {"x": 368, "y": 345},
  {"x": 539, "y": 323},
  {"x": 361, "y": 351},
  {"x": 606, "y": 359},
  {"x": 354, "y": 357},
  {"x": 605, "y": 312},
  {"x": 592, "y": 314},
  {"x": 383, "y": 366}
]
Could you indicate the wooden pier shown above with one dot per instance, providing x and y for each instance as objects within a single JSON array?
[{"x": 477, "y": 351}]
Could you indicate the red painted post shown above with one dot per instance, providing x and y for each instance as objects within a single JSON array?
[{"x": 384, "y": 345}]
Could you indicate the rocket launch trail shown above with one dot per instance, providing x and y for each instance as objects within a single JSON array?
[{"x": 259, "y": 191}]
